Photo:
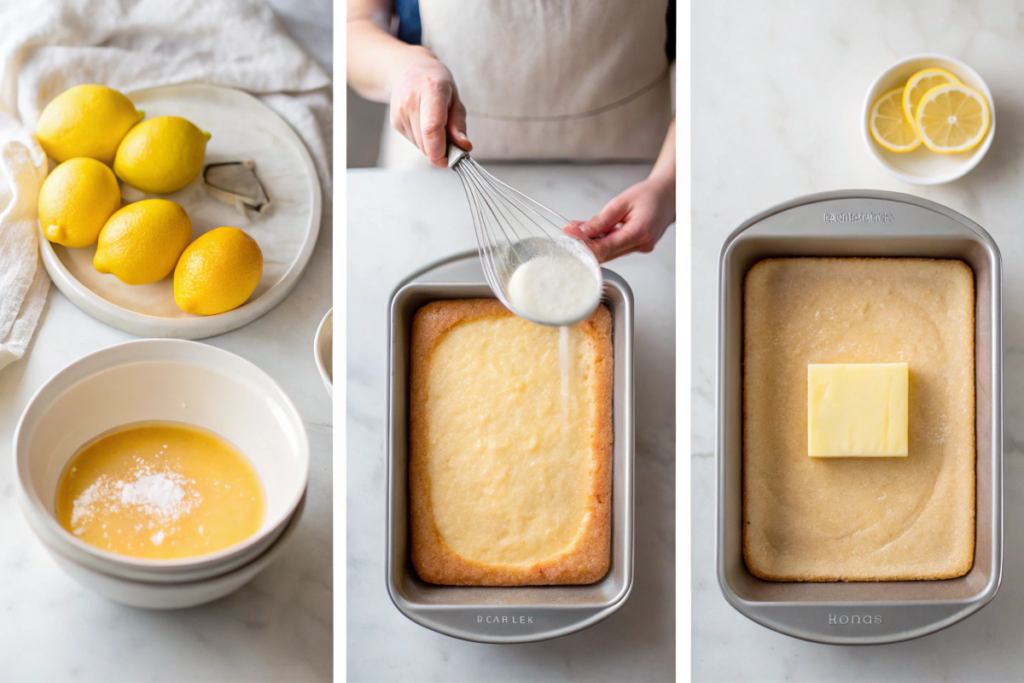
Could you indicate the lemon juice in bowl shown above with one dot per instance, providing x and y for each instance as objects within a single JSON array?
[{"x": 160, "y": 490}]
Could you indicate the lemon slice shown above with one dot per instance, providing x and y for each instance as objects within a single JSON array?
[
  {"x": 889, "y": 127},
  {"x": 920, "y": 83},
  {"x": 952, "y": 118}
]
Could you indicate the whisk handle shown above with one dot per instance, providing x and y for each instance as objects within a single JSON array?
[{"x": 455, "y": 154}]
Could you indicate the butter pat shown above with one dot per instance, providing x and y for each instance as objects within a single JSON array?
[{"x": 857, "y": 410}]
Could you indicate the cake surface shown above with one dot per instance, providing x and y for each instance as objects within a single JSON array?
[
  {"x": 858, "y": 519},
  {"x": 510, "y": 447}
]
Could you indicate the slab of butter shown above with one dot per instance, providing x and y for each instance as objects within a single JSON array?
[{"x": 857, "y": 410}]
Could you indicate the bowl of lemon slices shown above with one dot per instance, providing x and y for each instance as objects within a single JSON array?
[{"x": 928, "y": 119}]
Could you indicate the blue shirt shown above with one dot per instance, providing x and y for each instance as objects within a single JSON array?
[{"x": 409, "y": 29}]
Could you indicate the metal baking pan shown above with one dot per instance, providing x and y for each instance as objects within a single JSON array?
[
  {"x": 861, "y": 223},
  {"x": 494, "y": 614}
]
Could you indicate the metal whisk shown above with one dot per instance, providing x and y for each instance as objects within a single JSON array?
[{"x": 512, "y": 229}]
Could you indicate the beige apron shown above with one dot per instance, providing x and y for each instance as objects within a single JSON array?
[{"x": 551, "y": 80}]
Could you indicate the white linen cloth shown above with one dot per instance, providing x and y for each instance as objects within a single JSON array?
[
  {"x": 23, "y": 280},
  {"x": 49, "y": 46}
]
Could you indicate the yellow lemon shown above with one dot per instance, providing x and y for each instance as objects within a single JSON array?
[
  {"x": 217, "y": 272},
  {"x": 141, "y": 243},
  {"x": 952, "y": 118},
  {"x": 920, "y": 83},
  {"x": 86, "y": 121},
  {"x": 76, "y": 200},
  {"x": 889, "y": 127},
  {"x": 161, "y": 155}
]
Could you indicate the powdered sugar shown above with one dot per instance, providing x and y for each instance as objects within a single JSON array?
[
  {"x": 160, "y": 496},
  {"x": 83, "y": 506}
]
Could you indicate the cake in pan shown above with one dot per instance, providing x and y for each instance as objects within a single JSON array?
[
  {"x": 858, "y": 518},
  {"x": 510, "y": 447}
]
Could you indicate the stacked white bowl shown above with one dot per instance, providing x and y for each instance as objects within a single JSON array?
[
  {"x": 167, "y": 380},
  {"x": 323, "y": 348}
]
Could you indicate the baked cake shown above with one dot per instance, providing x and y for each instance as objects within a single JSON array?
[
  {"x": 852, "y": 518},
  {"x": 510, "y": 447}
]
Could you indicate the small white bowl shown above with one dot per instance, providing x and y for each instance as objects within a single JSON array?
[
  {"x": 175, "y": 595},
  {"x": 161, "y": 379},
  {"x": 323, "y": 348},
  {"x": 922, "y": 166}
]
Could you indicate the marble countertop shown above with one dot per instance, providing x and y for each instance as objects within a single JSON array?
[
  {"x": 398, "y": 222},
  {"x": 777, "y": 91},
  {"x": 280, "y": 626}
]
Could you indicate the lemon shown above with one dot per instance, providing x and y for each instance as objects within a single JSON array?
[
  {"x": 217, "y": 272},
  {"x": 141, "y": 243},
  {"x": 889, "y": 127},
  {"x": 76, "y": 200},
  {"x": 952, "y": 118},
  {"x": 920, "y": 83},
  {"x": 86, "y": 121},
  {"x": 161, "y": 155}
]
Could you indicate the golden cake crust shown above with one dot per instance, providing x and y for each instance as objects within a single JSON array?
[
  {"x": 588, "y": 558},
  {"x": 858, "y": 519}
]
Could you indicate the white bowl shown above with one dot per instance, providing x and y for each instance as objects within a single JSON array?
[
  {"x": 171, "y": 380},
  {"x": 922, "y": 166},
  {"x": 175, "y": 595},
  {"x": 323, "y": 349},
  {"x": 165, "y": 575}
]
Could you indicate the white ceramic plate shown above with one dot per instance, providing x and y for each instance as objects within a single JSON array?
[
  {"x": 242, "y": 128},
  {"x": 922, "y": 166}
]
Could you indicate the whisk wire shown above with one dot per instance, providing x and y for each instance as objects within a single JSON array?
[
  {"x": 496, "y": 264},
  {"x": 519, "y": 199},
  {"x": 483, "y": 241},
  {"x": 518, "y": 208},
  {"x": 497, "y": 211}
]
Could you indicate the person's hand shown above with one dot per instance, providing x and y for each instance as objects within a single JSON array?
[
  {"x": 633, "y": 221},
  {"x": 426, "y": 109}
]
